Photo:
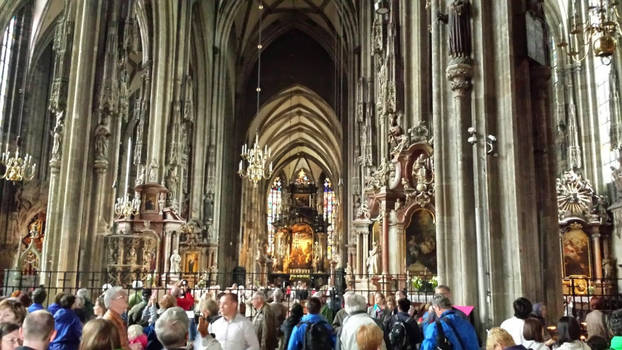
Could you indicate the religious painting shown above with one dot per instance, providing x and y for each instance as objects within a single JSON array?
[
  {"x": 191, "y": 262},
  {"x": 302, "y": 246},
  {"x": 301, "y": 200},
  {"x": 576, "y": 252},
  {"x": 421, "y": 243},
  {"x": 151, "y": 199}
]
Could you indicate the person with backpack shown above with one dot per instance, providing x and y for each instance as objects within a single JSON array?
[
  {"x": 356, "y": 307},
  {"x": 401, "y": 331},
  {"x": 449, "y": 331},
  {"x": 313, "y": 332}
]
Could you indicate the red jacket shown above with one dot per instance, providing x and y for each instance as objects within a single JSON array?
[{"x": 187, "y": 302}]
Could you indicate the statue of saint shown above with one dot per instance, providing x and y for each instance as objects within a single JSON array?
[
  {"x": 372, "y": 260},
  {"x": 175, "y": 261}
]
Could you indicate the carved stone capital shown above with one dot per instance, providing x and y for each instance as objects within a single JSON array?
[{"x": 459, "y": 76}]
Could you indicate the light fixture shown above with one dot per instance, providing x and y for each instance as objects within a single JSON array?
[
  {"x": 125, "y": 208},
  {"x": 256, "y": 158},
  {"x": 600, "y": 31},
  {"x": 381, "y": 7},
  {"x": 17, "y": 169}
]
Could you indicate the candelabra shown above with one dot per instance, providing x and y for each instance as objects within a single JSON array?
[
  {"x": 17, "y": 168},
  {"x": 124, "y": 207},
  {"x": 257, "y": 160}
]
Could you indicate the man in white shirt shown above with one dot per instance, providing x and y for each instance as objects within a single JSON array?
[
  {"x": 233, "y": 331},
  {"x": 515, "y": 325}
]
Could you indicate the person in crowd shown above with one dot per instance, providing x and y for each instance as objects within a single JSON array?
[
  {"x": 295, "y": 315},
  {"x": 78, "y": 308},
  {"x": 331, "y": 306},
  {"x": 67, "y": 324},
  {"x": 209, "y": 308},
  {"x": 233, "y": 331},
  {"x": 400, "y": 294},
  {"x": 539, "y": 311},
  {"x": 356, "y": 307},
  {"x": 115, "y": 300},
  {"x": 615, "y": 324},
  {"x": 99, "y": 309},
  {"x": 264, "y": 323},
  {"x": 323, "y": 335},
  {"x": 136, "y": 296},
  {"x": 205, "y": 340},
  {"x": 533, "y": 333},
  {"x": 340, "y": 316},
  {"x": 569, "y": 333},
  {"x": 596, "y": 320},
  {"x": 369, "y": 337},
  {"x": 172, "y": 328},
  {"x": 514, "y": 325},
  {"x": 391, "y": 308},
  {"x": 37, "y": 330},
  {"x": 152, "y": 311},
  {"x": 52, "y": 308},
  {"x": 377, "y": 310},
  {"x": 87, "y": 309},
  {"x": 135, "y": 315},
  {"x": 429, "y": 316},
  {"x": 500, "y": 339},
  {"x": 100, "y": 334},
  {"x": 183, "y": 294},
  {"x": 279, "y": 310},
  {"x": 38, "y": 298},
  {"x": 458, "y": 331},
  {"x": 402, "y": 329},
  {"x": 598, "y": 343},
  {"x": 136, "y": 338},
  {"x": 9, "y": 336},
  {"x": 12, "y": 311}
]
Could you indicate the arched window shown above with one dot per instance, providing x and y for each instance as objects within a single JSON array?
[
  {"x": 329, "y": 214},
  {"x": 275, "y": 197},
  {"x": 6, "y": 54}
]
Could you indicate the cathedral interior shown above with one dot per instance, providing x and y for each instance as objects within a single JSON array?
[{"x": 477, "y": 143}]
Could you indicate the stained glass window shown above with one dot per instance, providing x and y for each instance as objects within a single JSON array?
[
  {"x": 330, "y": 211},
  {"x": 274, "y": 209},
  {"x": 6, "y": 48}
]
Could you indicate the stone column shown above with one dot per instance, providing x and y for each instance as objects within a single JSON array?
[
  {"x": 74, "y": 174},
  {"x": 598, "y": 261},
  {"x": 385, "y": 241}
]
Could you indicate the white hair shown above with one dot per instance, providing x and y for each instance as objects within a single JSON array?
[
  {"x": 111, "y": 294},
  {"x": 134, "y": 331},
  {"x": 172, "y": 327},
  {"x": 83, "y": 293},
  {"x": 354, "y": 302},
  {"x": 277, "y": 295}
]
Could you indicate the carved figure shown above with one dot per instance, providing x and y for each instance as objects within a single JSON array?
[
  {"x": 460, "y": 29},
  {"x": 175, "y": 261},
  {"x": 101, "y": 142},
  {"x": 57, "y": 137},
  {"x": 372, "y": 260},
  {"x": 609, "y": 268},
  {"x": 132, "y": 257}
]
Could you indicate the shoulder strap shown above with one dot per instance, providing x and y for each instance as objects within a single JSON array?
[{"x": 439, "y": 330}]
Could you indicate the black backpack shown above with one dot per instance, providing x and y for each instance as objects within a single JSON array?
[
  {"x": 399, "y": 338},
  {"x": 317, "y": 336}
]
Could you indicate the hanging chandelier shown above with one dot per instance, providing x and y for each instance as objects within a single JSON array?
[
  {"x": 600, "y": 32},
  {"x": 256, "y": 158},
  {"x": 17, "y": 169}
]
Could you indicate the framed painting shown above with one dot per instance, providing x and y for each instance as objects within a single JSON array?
[
  {"x": 191, "y": 262},
  {"x": 576, "y": 252},
  {"x": 421, "y": 243}
]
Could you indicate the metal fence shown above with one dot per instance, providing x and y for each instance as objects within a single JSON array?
[
  {"x": 419, "y": 289},
  {"x": 581, "y": 295}
]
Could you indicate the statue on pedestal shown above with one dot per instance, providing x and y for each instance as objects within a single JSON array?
[
  {"x": 175, "y": 261},
  {"x": 372, "y": 260}
]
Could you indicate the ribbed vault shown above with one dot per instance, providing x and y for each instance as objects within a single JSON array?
[{"x": 297, "y": 122}]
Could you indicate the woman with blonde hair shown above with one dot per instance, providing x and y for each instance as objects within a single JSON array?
[
  {"x": 499, "y": 339},
  {"x": 369, "y": 337},
  {"x": 99, "y": 334}
]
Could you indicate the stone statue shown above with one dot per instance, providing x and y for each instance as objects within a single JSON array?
[
  {"x": 460, "y": 29},
  {"x": 372, "y": 260},
  {"x": 609, "y": 266},
  {"x": 175, "y": 261},
  {"x": 348, "y": 270},
  {"x": 57, "y": 137},
  {"x": 101, "y": 142}
]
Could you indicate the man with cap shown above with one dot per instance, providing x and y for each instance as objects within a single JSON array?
[
  {"x": 136, "y": 296},
  {"x": 134, "y": 316}
]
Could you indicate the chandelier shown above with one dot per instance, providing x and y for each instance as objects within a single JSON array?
[
  {"x": 125, "y": 208},
  {"x": 600, "y": 32},
  {"x": 256, "y": 158},
  {"x": 17, "y": 169}
]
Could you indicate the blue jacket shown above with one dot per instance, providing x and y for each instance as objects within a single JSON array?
[
  {"x": 52, "y": 308},
  {"x": 68, "y": 330},
  {"x": 34, "y": 307},
  {"x": 465, "y": 339},
  {"x": 298, "y": 333}
]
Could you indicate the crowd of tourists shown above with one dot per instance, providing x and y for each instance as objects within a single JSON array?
[{"x": 232, "y": 320}]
